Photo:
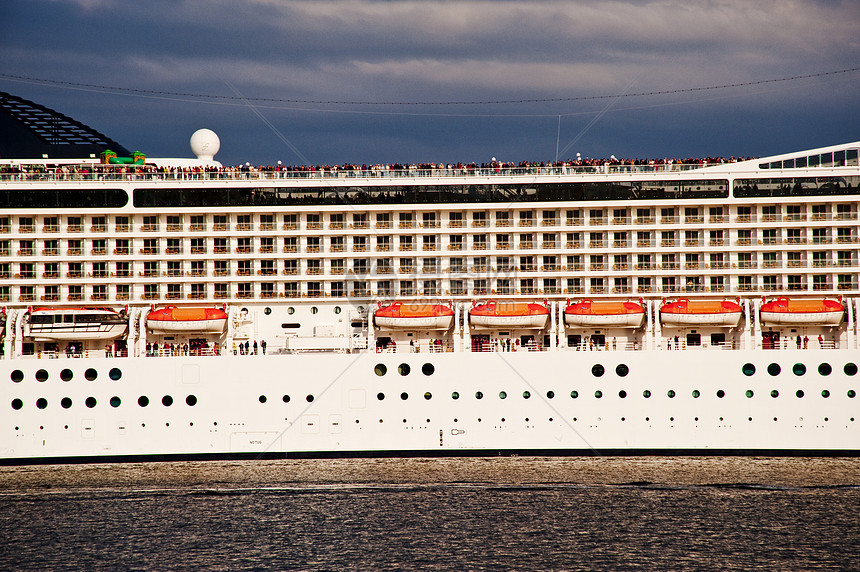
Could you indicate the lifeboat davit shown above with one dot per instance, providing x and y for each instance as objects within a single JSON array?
[
  {"x": 789, "y": 311},
  {"x": 414, "y": 316},
  {"x": 701, "y": 313},
  {"x": 171, "y": 319},
  {"x": 78, "y": 324},
  {"x": 587, "y": 314},
  {"x": 495, "y": 314}
]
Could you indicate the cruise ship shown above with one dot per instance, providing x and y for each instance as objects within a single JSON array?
[{"x": 176, "y": 308}]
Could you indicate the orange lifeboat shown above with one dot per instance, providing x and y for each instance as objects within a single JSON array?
[
  {"x": 171, "y": 319},
  {"x": 414, "y": 316},
  {"x": 495, "y": 314},
  {"x": 587, "y": 314},
  {"x": 788, "y": 311},
  {"x": 701, "y": 313}
]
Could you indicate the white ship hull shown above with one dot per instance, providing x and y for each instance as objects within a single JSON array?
[{"x": 334, "y": 408}]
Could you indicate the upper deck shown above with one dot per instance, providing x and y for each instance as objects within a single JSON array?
[
  {"x": 782, "y": 223},
  {"x": 165, "y": 184}
]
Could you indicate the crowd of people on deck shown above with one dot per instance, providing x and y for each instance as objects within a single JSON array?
[{"x": 98, "y": 170}]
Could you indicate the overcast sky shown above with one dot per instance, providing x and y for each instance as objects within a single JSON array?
[{"x": 397, "y": 56}]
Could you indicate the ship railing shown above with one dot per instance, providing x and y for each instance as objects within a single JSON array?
[
  {"x": 607, "y": 346},
  {"x": 177, "y": 351},
  {"x": 681, "y": 344},
  {"x": 53, "y": 354},
  {"x": 495, "y": 346},
  {"x": 265, "y": 174}
]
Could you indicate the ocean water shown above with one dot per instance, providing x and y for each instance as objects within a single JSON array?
[{"x": 516, "y": 513}]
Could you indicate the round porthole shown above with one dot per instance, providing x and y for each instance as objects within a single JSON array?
[
  {"x": 428, "y": 369},
  {"x": 646, "y": 394},
  {"x": 167, "y": 401},
  {"x": 598, "y": 394},
  {"x": 574, "y": 394},
  {"x": 267, "y": 310},
  {"x": 91, "y": 402},
  {"x": 597, "y": 370},
  {"x": 17, "y": 404},
  {"x": 143, "y": 401},
  {"x": 380, "y": 396},
  {"x": 262, "y": 399},
  {"x": 621, "y": 370},
  {"x": 749, "y": 393},
  {"x": 479, "y": 395},
  {"x": 404, "y": 369},
  {"x": 671, "y": 393},
  {"x": 503, "y": 394},
  {"x": 774, "y": 369},
  {"x": 17, "y": 376},
  {"x": 41, "y": 403},
  {"x": 91, "y": 374},
  {"x": 115, "y": 401},
  {"x": 798, "y": 369},
  {"x": 314, "y": 310},
  {"x": 799, "y": 393},
  {"x": 526, "y": 394},
  {"x": 428, "y": 395},
  {"x": 42, "y": 375},
  {"x": 748, "y": 369},
  {"x": 696, "y": 394},
  {"x": 291, "y": 310},
  {"x": 824, "y": 369},
  {"x": 850, "y": 369},
  {"x": 404, "y": 396},
  {"x": 286, "y": 399},
  {"x": 622, "y": 394},
  {"x": 825, "y": 393},
  {"x": 309, "y": 398},
  {"x": 455, "y": 395},
  {"x": 721, "y": 393},
  {"x": 66, "y": 375},
  {"x": 380, "y": 369},
  {"x": 115, "y": 373},
  {"x": 66, "y": 402},
  {"x": 851, "y": 394},
  {"x": 337, "y": 310},
  {"x": 550, "y": 394},
  {"x": 774, "y": 393},
  {"x": 191, "y": 400}
]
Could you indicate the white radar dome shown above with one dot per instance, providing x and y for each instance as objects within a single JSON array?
[{"x": 205, "y": 144}]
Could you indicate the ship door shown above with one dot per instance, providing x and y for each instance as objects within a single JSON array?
[
  {"x": 481, "y": 343},
  {"x": 770, "y": 340}
]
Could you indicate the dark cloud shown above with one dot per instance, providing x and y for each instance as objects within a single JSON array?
[{"x": 444, "y": 51}]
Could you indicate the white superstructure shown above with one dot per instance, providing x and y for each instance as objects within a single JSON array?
[{"x": 300, "y": 261}]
